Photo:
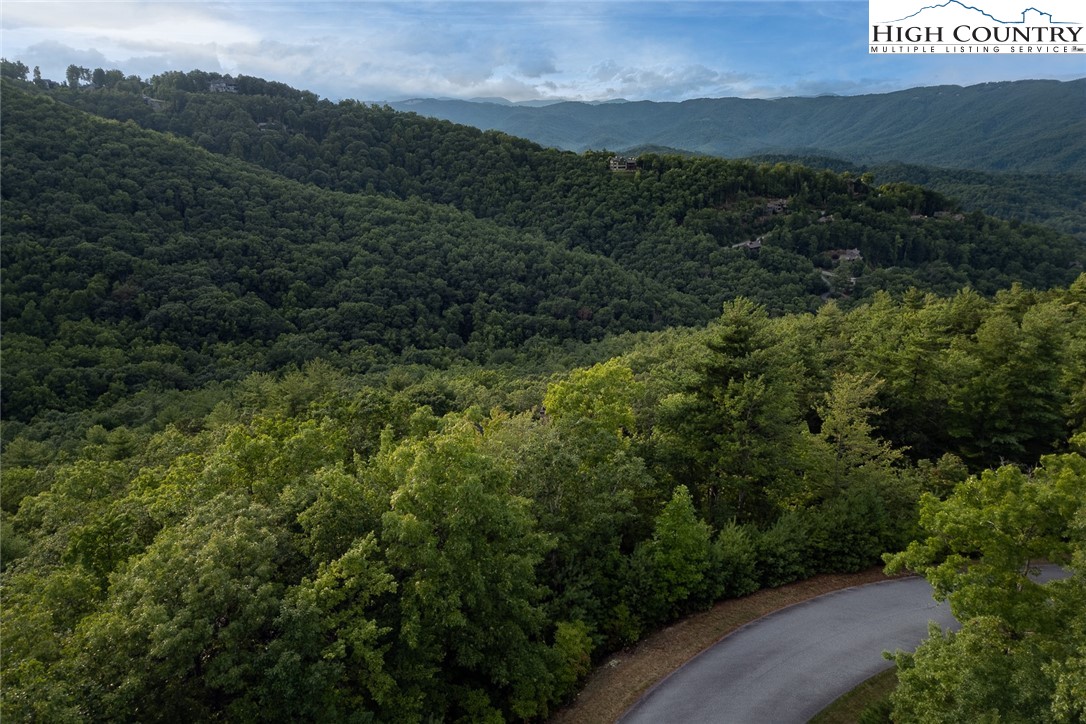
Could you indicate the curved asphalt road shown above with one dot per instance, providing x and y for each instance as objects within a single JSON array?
[{"x": 788, "y": 666}]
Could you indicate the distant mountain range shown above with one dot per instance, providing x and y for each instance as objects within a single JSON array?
[
  {"x": 499, "y": 101},
  {"x": 1034, "y": 126}
]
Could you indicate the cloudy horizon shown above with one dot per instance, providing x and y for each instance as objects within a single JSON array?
[{"x": 589, "y": 51}]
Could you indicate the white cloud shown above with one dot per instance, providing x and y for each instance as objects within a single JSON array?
[
  {"x": 138, "y": 37},
  {"x": 520, "y": 50},
  {"x": 128, "y": 24}
]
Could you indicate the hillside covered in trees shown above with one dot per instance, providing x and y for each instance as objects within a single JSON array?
[
  {"x": 1055, "y": 200},
  {"x": 368, "y": 237},
  {"x": 319, "y": 411},
  {"x": 462, "y": 544}
]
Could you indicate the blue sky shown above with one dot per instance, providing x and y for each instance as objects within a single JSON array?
[{"x": 594, "y": 50}]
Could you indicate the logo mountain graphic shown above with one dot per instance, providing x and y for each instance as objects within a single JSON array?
[{"x": 1040, "y": 15}]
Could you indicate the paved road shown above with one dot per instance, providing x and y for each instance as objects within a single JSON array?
[{"x": 789, "y": 665}]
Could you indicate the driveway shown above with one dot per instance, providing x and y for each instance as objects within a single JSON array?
[{"x": 789, "y": 665}]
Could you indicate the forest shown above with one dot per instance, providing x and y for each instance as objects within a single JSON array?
[
  {"x": 1055, "y": 200},
  {"x": 319, "y": 411}
]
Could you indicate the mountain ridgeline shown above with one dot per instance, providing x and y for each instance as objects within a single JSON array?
[
  {"x": 280, "y": 229},
  {"x": 1035, "y": 126}
]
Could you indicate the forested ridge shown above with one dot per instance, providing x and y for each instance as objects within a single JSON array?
[
  {"x": 1056, "y": 200},
  {"x": 353, "y": 147},
  {"x": 387, "y": 419},
  {"x": 132, "y": 259},
  {"x": 181, "y": 267}
]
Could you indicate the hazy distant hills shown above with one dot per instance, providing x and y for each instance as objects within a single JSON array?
[{"x": 1036, "y": 126}]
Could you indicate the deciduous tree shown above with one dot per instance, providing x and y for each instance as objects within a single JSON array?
[{"x": 1018, "y": 656}]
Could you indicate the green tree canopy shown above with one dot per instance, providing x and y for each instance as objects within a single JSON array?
[{"x": 1018, "y": 656}]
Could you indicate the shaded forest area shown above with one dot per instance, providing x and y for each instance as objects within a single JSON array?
[{"x": 387, "y": 419}]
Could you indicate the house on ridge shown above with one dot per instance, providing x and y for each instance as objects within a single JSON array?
[
  {"x": 840, "y": 255},
  {"x": 224, "y": 85},
  {"x": 752, "y": 244}
]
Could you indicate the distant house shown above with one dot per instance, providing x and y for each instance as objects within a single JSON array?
[
  {"x": 777, "y": 206},
  {"x": 840, "y": 255},
  {"x": 226, "y": 85},
  {"x": 948, "y": 215},
  {"x": 753, "y": 244},
  {"x": 623, "y": 163}
]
